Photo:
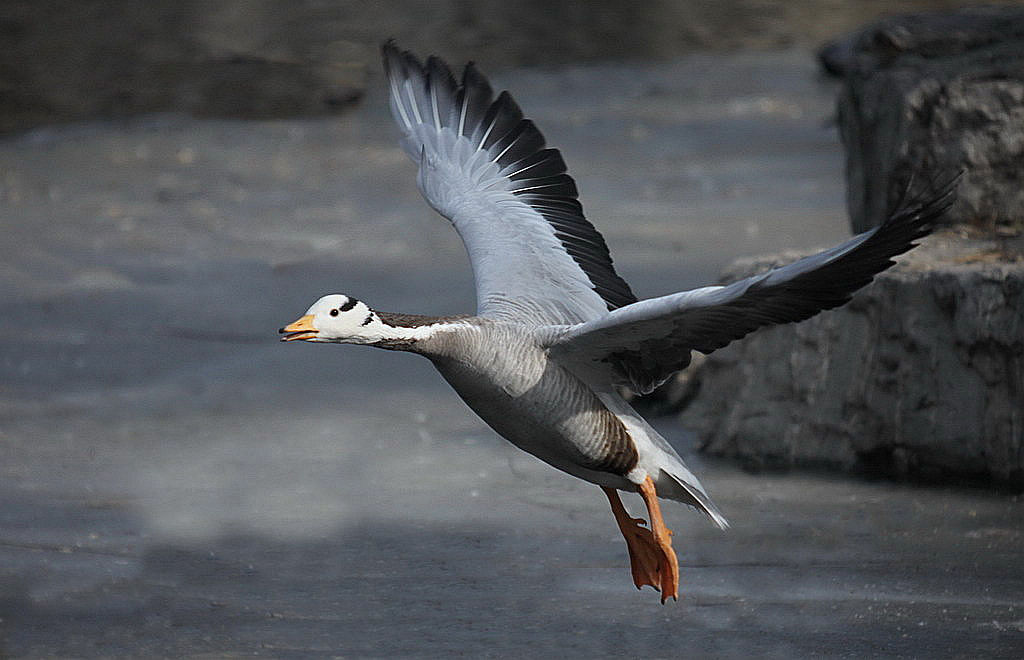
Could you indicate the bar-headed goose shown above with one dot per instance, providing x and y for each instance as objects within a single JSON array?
[{"x": 556, "y": 328}]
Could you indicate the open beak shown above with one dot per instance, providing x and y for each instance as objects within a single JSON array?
[{"x": 301, "y": 329}]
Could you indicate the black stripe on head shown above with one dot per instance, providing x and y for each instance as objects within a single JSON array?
[{"x": 349, "y": 305}]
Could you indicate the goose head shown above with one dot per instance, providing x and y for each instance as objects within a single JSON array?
[{"x": 336, "y": 318}]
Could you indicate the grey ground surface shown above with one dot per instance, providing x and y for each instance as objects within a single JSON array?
[{"x": 174, "y": 482}]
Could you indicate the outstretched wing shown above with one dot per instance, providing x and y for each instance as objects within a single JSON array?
[
  {"x": 485, "y": 168},
  {"x": 642, "y": 344}
]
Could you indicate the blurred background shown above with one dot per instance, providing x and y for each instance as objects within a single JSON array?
[
  {"x": 265, "y": 58},
  {"x": 180, "y": 179}
]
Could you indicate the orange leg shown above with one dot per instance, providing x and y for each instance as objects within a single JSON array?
[{"x": 651, "y": 557}]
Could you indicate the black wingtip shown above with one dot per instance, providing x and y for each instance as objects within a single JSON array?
[
  {"x": 931, "y": 199},
  {"x": 389, "y": 49},
  {"x": 389, "y": 52},
  {"x": 392, "y": 55}
]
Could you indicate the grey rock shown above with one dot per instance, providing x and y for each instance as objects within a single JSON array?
[
  {"x": 928, "y": 94},
  {"x": 920, "y": 375}
]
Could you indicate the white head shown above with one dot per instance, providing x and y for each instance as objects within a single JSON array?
[{"x": 337, "y": 318}]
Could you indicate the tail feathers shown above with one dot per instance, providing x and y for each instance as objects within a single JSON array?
[{"x": 698, "y": 499}]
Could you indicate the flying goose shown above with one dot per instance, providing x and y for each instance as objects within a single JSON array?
[{"x": 556, "y": 329}]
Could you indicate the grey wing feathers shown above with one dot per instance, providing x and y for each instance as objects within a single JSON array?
[
  {"x": 501, "y": 151},
  {"x": 644, "y": 343}
]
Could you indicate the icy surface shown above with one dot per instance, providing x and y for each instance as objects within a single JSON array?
[{"x": 175, "y": 482}]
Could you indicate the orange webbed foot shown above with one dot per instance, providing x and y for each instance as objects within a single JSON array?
[
  {"x": 651, "y": 557},
  {"x": 643, "y": 553}
]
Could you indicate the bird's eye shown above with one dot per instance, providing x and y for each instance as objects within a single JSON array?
[{"x": 334, "y": 312}]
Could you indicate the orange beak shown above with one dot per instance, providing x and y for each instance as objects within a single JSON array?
[{"x": 301, "y": 329}]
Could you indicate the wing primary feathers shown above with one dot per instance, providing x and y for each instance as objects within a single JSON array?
[
  {"x": 434, "y": 106},
  {"x": 412, "y": 102},
  {"x": 392, "y": 60},
  {"x": 476, "y": 99},
  {"x": 415, "y": 79},
  {"x": 546, "y": 162},
  {"x": 503, "y": 116},
  {"x": 442, "y": 87},
  {"x": 496, "y": 129},
  {"x": 644, "y": 343},
  {"x": 500, "y": 118},
  {"x": 561, "y": 185},
  {"x": 462, "y": 101}
]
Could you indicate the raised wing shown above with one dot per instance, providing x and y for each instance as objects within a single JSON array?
[
  {"x": 485, "y": 168},
  {"x": 642, "y": 344}
]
